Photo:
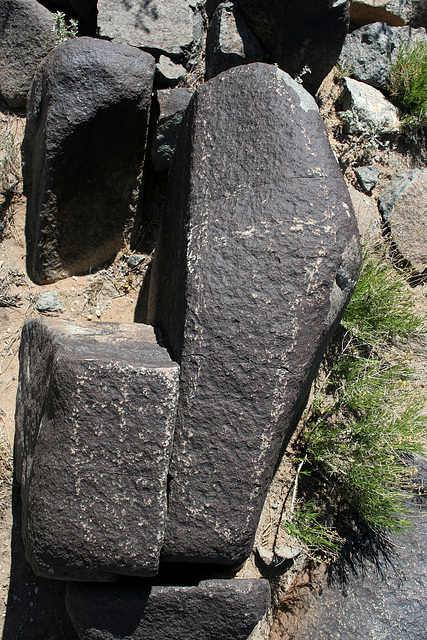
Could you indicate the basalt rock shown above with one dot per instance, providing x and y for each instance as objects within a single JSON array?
[
  {"x": 395, "y": 13},
  {"x": 223, "y": 609},
  {"x": 170, "y": 107},
  {"x": 83, "y": 153},
  {"x": 94, "y": 422},
  {"x": 257, "y": 258},
  {"x": 296, "y": 35},
  {"x": 25, "y": 37}
]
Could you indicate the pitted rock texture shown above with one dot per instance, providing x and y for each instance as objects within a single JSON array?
[
  {"x": 370, "y": 52},
  {"x": 212, "y": 610},
  {"x": 308, "y": 33},
  {"x": 95, "y": 415},
  {"x": 258, "y": 256},
  {"x": 174, "y": 27},
  {"x": 403, "y": 205},
  {"x": 25, "y": 38},
  {"x": 230, "y": 42},
  {"x": 83, "y": 153}
]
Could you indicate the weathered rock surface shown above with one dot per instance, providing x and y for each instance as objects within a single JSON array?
[
  {"x": 395, "y": 13},
  {"x": 368, "y": 177},
  {"x": 83, "y": 152},
  {"x": 174, "y": 27},
  {"x": 370, "y": 52},
  {"x": 377, "y": 592},
  {"x": 230, "y": 42},
  {"x": 403, "y": 204},
  {"x": 419, "y": 13},
  {"x": 367, "y": 214},
  {"x": 168, "y": 73},
  {"x": 171, "y": 105},
  {"x": 225, "y": 609},
  {"x": 25, "y": 37},
  {"x": 94, "y": 423},
  {"x": 257, "y": 258},
  {"x": 370, "y": 108},
  {"x": 299, "y": 34}
]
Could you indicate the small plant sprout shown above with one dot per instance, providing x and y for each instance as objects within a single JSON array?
[
  {"x": 300, "y": 76},
  {"x": 63, "y": 30}
]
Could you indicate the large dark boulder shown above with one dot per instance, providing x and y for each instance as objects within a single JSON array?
[
  {"x": 83, "y": 153},
  {"x": 257, "y": 258},
  {"x": 26, "y": 33},
  {"x": 212, "y": 610},
  {"x": 95, "y": 417},
  {"x": 308, "y": 33}
]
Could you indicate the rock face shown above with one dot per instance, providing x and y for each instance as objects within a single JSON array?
[
  {"x": 258, "y": 256},
  {"x": 230, "y": 42},
  {"x": 171, "y": 105},
  {"x": 25, "y": 37},
  {"x": 370, "y": 108},
  {"x": 368, "y": 177},
  {"x": 395, "y": 13},
  {"x": 95, "y": 416},
  {"x": 174, "y": 27},
  {"x": 83, "y": 152},
  {"x": 370, "y": 52},
  {"x": 403, "y": 205},
  {"x": 299, "y": 34},
  {"x": 226, "y": 609},
  {"x": 368, "y": 217},
  {"x": 419, "y": 13}
]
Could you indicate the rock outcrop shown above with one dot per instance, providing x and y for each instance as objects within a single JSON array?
[
  {"x": 83, "y": 153},
  {"x": 369, "y": 108},
  {"x": 169, "y": 111},
  {"x": 395, "y": 13},
  {"x": 95, "y": 417},
  {"x": 257, "y": 258}
]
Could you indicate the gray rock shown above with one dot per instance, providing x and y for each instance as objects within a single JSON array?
[
  {"x": 257, "y": 258},
  {"x": 171, "y": 105},
  {"x": 419, "y": 13},
  {"x": 395, "y": 13},
  {"x": 173, "y": 27},
  {"x": 230, "y": 42},
  {"x": 403, "y": 205},
  {"x": 135, "y": 259},
  {"x": 83, "y": 152},
  {"x": 368, "y": 177},
  {"x": 377, "y": 590},
  {"x": 308, "y": 33},
  {"x": 367, "y": 214},
  {"x": 48, "y": 302},
  {"x": 370, "y": 52},
  {"x": 168, "y": 73},
  {"x": 25, "y": 38},
  {"x": 95, "y": 416},
  {"x": 214, "y": 609},
  {"x": 371, "y": 110}
]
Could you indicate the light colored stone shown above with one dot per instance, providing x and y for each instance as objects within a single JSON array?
[
  {"x": 368, "y": 217},
  {"x": 168, "y": 73},
  {"x": 169, "y": 26},
  {"x": 371, "y": 109}
]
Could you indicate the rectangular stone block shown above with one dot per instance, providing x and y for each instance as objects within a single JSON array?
[{"x": 95, "y": 416}]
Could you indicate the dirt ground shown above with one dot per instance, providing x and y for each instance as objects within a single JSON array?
[{"x": 110, "y": 295}]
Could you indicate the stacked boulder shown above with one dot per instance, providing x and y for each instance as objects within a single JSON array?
[{"x": 144, "y": 448}]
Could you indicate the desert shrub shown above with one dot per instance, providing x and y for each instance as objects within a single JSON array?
[
  {"x": 364, "y": 419},
  {"x": 408, "y": 83},
  {"x": 63, "y": 30}
]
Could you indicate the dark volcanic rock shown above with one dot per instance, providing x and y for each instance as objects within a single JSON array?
[
  {"x": 230, "y": 42},
  {"x": 25, "y": 37},
  {"x": 370, "y": 52},
  {"x": 419, "y": 13},
  {"x": 83, "y": 152},
  {"x": 258, "y": 256},
  {"x": 213, "y": 610},
  {"x": 171, "y": 105},
  {"x": 94, "y": 422},
  {"x": 299, "y": 34}
]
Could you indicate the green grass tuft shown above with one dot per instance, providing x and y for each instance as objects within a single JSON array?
[{"x": 408, "y": 83}]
